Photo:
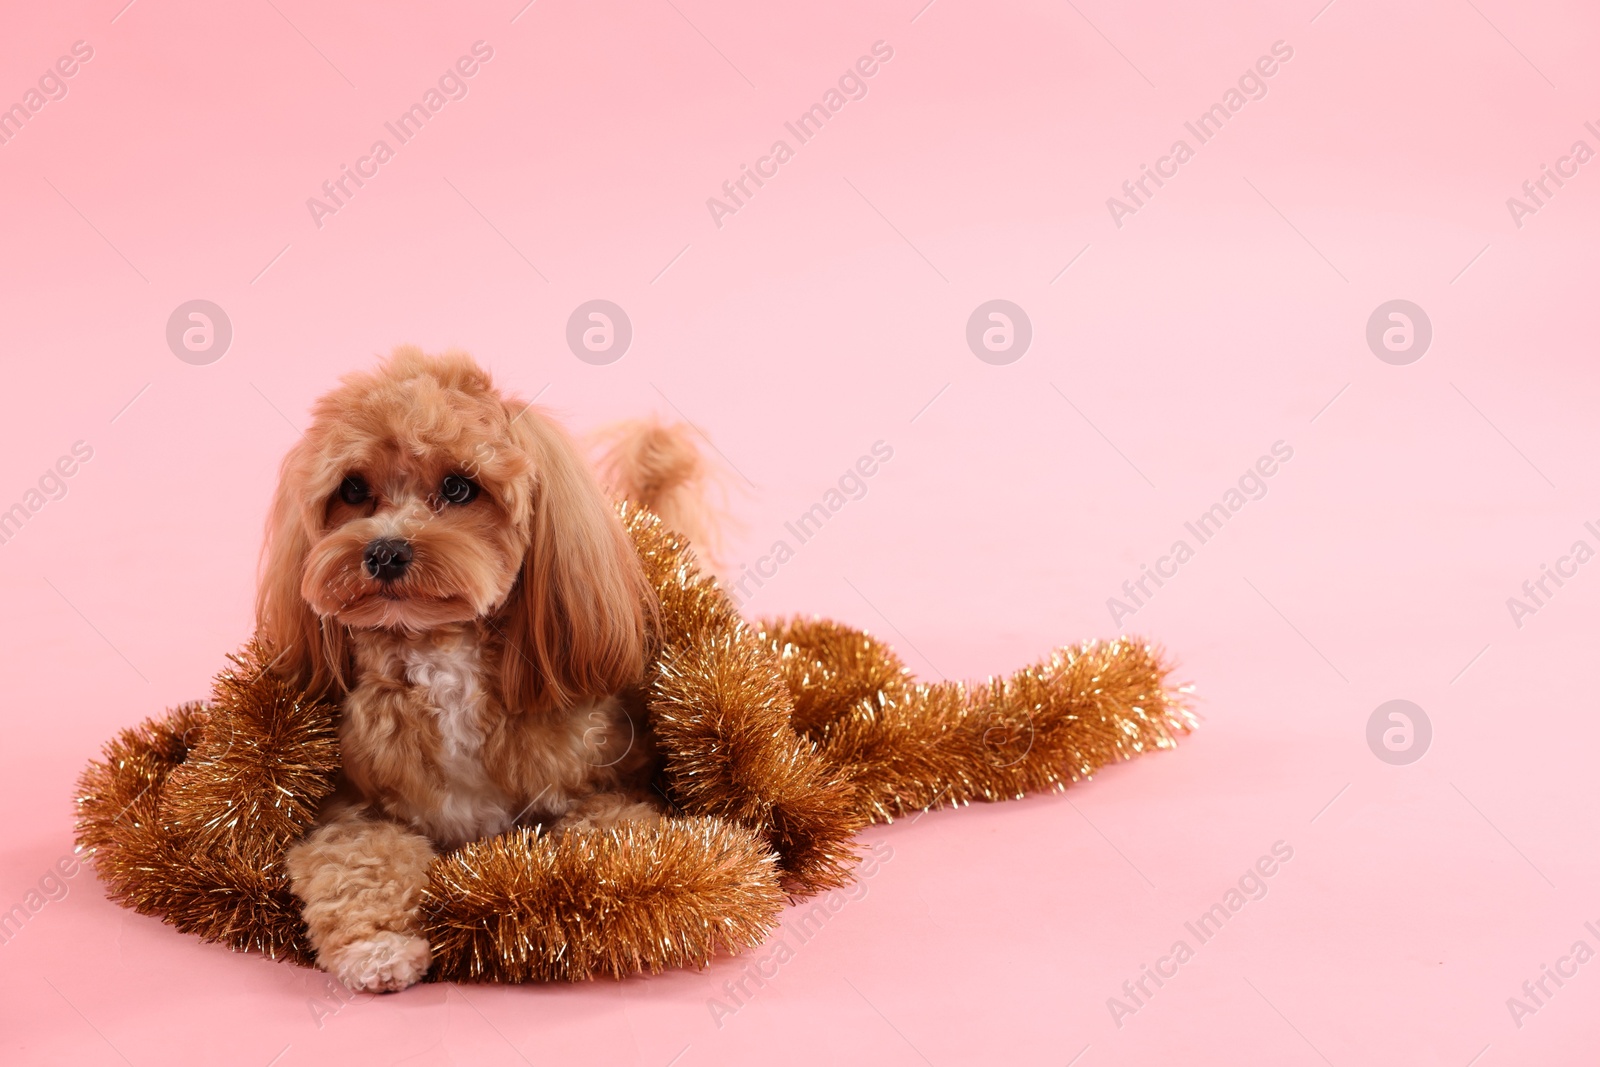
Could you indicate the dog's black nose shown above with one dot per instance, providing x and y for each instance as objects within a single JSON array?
[{"x": 387, "y": 558}]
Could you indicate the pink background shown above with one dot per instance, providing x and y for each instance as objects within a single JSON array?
[{"x": 829, "y": 313}]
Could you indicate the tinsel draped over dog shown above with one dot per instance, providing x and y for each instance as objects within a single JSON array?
[{"x": 778, "y": 743}]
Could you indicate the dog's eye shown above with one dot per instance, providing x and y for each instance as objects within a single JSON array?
[
  {"x": 353, "y": 490},
  {"x": 458, "y": 490}
]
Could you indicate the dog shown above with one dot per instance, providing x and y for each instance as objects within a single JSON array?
[{"x": 443, "y": 564}]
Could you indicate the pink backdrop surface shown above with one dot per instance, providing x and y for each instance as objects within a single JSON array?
[{"x": 1173, "y": 345}]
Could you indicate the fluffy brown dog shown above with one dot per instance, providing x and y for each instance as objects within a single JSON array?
[{"x": 442, "y": 562}]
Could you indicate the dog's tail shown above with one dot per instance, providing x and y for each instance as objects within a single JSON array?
[{"x": 662, "y": 468}]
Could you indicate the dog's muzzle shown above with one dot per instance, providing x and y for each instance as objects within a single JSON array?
[{"x": 387, "y": 558}]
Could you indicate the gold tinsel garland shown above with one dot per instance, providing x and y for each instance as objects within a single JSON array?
[{"x": 778, "y": 744}]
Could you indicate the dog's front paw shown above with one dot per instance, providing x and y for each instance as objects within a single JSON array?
[{"x": 386, "y": 962}]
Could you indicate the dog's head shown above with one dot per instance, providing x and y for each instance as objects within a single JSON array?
[{"x": 420, "y": 496}]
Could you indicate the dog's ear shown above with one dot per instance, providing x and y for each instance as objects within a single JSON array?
[
  {"x": 307, "y": 651},
  {"x": 578, "y": 621}
]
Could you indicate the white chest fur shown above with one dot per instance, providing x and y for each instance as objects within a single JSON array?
[{"x": 450, "y": 678}]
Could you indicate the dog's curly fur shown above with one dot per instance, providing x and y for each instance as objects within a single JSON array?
[{"x": 489, "y": 678}]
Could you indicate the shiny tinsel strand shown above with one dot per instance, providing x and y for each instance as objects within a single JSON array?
[
  {"x": 265, "y": 761},
  {"x": 779, "y": 743},
  {"x": 1041, "y": 728},
  {"x": 600, "y": 903},
  {"x": 719, "y": 707},
  {"x": 188, "y": 817},
  {"x": 829, "y": 667}
]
